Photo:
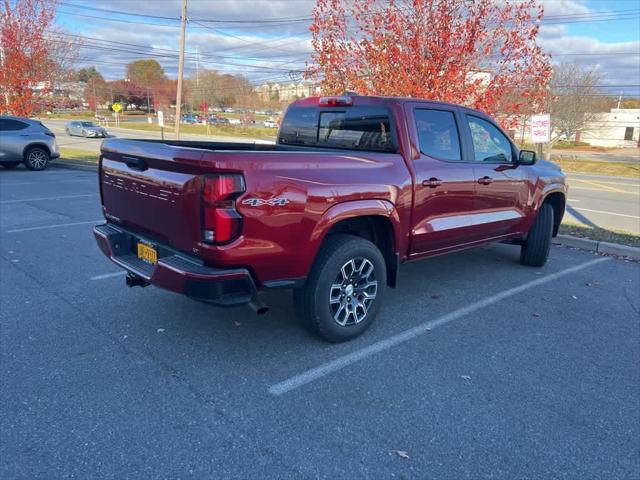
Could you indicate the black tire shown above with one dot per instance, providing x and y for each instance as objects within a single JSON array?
[
  {"x": 10, "y": 165},
  {"x": 535, "y": 249},
  {"x": 36, "y": 158},
  {"x": 352, "y": 310}
]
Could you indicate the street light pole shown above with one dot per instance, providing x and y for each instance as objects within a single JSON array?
[{"x": 183, "y": 25}]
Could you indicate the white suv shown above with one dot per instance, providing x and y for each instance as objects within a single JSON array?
[{"x": 26, "y": 141}]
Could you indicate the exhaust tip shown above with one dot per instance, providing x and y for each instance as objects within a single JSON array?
[
  {"x": 135, "y": 281},
  {"x": 258, "y": 307}
]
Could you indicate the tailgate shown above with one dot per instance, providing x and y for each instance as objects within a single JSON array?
[{"x": 154, "y": 189}]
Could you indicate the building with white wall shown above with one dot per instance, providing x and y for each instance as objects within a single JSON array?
[
  {"x": 285, "y": 91},
  {"x": 618, "y": 128}
]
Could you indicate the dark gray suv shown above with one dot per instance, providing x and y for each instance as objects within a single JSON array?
[{"x": 26, "y": 141}]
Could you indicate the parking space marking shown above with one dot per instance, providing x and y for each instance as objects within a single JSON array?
[
  {"x": 59, "y": 197},
  {"x": 108, "y": 275},
  {"x": 19, "y": 184},
  {"x": 606, "y": 213},
  {"x": 601, "y": 186},
  {"x": 344, "y": 361},
  {"x": 573, "y": 187},
  {"x": 59, "y": 225}
]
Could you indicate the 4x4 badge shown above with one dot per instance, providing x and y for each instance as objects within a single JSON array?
[{"x": 275, "y": 201}]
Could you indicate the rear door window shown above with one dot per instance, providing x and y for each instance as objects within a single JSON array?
[
  {"x": 355, "y": 128},
  {"x": 438, "y": 134},
  {"x": 9, "y": 125}
]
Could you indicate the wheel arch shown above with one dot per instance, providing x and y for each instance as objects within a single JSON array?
[
  {"x": 28, "y": 147},
  {"x": 373, "y": 220},
  {"x": 558, "y": 200}
]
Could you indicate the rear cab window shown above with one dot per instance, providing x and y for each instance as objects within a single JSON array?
[{"x": 353, "y": 128}]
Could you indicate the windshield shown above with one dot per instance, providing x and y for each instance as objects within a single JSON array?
[{"x": 88, "y": 124}]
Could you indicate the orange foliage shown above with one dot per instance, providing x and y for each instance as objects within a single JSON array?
[
  {"x": 480, "y": 53},
  {"x": 25, "y": 53}
]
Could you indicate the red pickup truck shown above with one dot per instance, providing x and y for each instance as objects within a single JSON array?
[{"x": 353, "y": 187}]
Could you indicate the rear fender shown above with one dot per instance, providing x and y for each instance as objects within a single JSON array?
[{"x": 354, "y": 209}]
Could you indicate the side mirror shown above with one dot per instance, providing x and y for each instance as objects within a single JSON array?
[{"x": 527, "y": 157}]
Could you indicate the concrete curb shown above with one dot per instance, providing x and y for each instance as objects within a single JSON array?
[
  {"x": 599, "y": 247},
  {"x": 75, "y": 165}
]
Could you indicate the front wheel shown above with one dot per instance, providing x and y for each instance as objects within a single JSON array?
[
  {"x": 343, "y": 293},
  {"x": 535, "y": 249},
  {"x": 36, "y": 158}
]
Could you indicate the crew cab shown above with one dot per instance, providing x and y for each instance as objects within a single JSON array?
[{"x": 353, "y": 187}]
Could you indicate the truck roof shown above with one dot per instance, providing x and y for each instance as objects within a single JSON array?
[{"x": 372, "y": 100}]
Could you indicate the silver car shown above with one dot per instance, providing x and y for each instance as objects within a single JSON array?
[
  {"x": 26, "y": 141},
  {"x": 85, "y": 129}
]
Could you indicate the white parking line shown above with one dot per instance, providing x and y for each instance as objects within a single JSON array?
[
  {"x": 18, "y": 184},
  {"x": 60, "y": 197},
  {"x": 606, "y": 213},
  {"x": 339, "y": 363},
  {"x": 108, "y": 275},
  {"x": 59, "y": 225}
]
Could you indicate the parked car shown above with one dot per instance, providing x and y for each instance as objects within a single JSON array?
[
  {"x": 270, "y": 124},
  {"x": 26, "y": 141},
  {"x": 85, "y": 128},
  {"x": 217, "y": 120},
  {"x": 190, "y": 118},
  {"x": 353, "y": 187}
]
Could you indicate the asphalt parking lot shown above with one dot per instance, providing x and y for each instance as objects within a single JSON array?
[{"x": 477, "y": 367}]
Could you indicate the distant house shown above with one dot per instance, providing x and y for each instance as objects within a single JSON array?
[
  {"x": 285, "y": 91},
  {"x": 618, "y": 128},
  {"x": 71, "y": 90}
]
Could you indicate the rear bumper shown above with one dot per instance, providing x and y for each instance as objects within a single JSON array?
[{"x": 176, "y": 271}]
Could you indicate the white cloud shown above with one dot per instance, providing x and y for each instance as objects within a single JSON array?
[
  {"x": 564, "y": 7},
  {"x": 284, "y": 47}
]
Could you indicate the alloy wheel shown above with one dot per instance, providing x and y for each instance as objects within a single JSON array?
[
  {"x": 353, "y": 291},
  {"x": 37, "y": 159}
]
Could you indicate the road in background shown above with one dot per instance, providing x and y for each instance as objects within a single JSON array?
[
  {"x": 606, "y": 202},
  {"x": 93, "y": 144},
  {"x": 104, "y": 381}
]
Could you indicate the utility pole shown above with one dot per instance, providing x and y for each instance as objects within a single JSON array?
[
  {"x": 197, "y": 68},
  {"x": 183, "y": 26}
]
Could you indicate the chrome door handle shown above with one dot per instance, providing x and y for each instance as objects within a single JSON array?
[
  {"x": 485, "y": 180},
  {"x": 432, "y": 182}
]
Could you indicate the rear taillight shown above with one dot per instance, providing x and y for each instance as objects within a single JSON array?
[{"x": 220, "y": 221}]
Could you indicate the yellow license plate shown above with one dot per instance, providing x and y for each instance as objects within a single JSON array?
[{"x": 147, "y": 253}]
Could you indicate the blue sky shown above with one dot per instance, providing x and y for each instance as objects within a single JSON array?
[{"x": 604, "y": 34}]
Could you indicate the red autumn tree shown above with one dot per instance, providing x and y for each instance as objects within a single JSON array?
[
  {"x": 480, "y": 53},
  {"x": 26, "y": 60}
]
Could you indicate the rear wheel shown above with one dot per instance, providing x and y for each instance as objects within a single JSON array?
[
  {"x": 36, "y": 158},
  {"x": 67, "y": 131},
  {"x": 342, "y": 295},
  {"x": 535, "y": 249},
  {"x": 10, "y": 165}
]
